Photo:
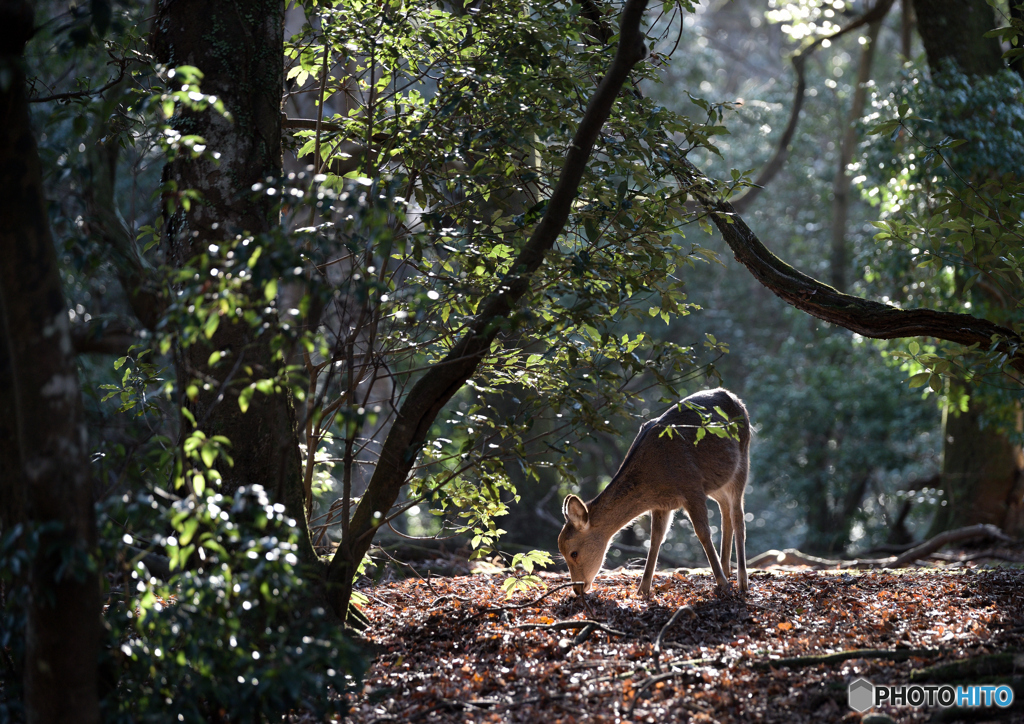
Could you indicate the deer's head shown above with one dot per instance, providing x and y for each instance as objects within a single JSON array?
[{"x": 582, "y": 546}]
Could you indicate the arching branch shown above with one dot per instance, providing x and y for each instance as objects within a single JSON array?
[{"x": 863, "y": 316}]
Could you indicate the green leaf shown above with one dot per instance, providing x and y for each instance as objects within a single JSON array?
[
  {"x": 211, "y": 325},
  {"x": 245, "y": 397},
  {"x": 188, "y": 530},
  {"x": 919, "y": 379},
  {"x": 883, "y": 128}
]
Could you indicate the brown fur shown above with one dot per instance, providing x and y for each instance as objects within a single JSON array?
[{"x": 661, "y": 473}]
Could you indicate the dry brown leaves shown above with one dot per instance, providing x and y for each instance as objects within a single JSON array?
[{"x": 442, "y": 660}]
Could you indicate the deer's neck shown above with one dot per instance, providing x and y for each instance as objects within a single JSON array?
[{"x": 617, "y": 505}]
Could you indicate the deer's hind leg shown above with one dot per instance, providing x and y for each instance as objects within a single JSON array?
[
  {"x": 740, "y": 526},
  {"x": 660, "y": 521},
  {"x": 725, "y": 507},
  {"x": 698, "y": 512}
]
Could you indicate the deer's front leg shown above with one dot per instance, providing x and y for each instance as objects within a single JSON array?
[{"x": 659, "y": 526}]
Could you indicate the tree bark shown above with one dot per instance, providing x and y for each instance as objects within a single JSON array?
[
  {"x": 63, "y": 627},
  {"x": 980, "y": 468},
  {"x": 12, "y": 492},
  {"x": 955, "y": 30},
  {"x": 239, "y": 50},
  {"x": 979, "y": 472},
  {"x": 864, "y": 316},
  {"x": 433, "y": 390}
]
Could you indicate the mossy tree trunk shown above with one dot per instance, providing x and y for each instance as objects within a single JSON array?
[
  {"x": 45, "y": 472},
  {"x": 954, "y": 31},
  {"x": 980, "y": 465},
  {"x": 239, "y": 49}
]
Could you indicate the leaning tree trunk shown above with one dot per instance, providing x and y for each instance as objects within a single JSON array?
[
  {"x": 436, "y": 387},
  {"x": 38, "y": 373},
  {"x": 980, "y": 465},
  {"x": 241, "y": 57}
]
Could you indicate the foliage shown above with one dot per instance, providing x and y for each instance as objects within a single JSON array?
[
  {"x": 843, "y": 437},
  {"x": 951, "y": 202},
  {"x": 235, "y": 633},
  {"x": 447, "y": 177},
  {"x": 520, "y": 570},
  {"x": 803, "y": 19}
]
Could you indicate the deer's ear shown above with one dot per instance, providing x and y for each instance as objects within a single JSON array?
[{"x": 575, "y": 512}]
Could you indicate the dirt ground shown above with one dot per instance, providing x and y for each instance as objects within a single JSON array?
[{"x": 457, "y": 650}]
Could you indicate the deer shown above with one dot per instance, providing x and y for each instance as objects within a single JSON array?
[{"x": 698, "y": 449}]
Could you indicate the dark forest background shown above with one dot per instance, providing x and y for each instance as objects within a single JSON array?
[{"x": 285, "y": 287}]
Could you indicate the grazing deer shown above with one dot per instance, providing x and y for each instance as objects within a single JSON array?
[{"x": 664, "y": 471}]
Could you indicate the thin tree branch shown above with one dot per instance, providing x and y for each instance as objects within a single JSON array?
[
  {"x": 799, "y": 60},
  {"x": 123, "y": 63}
]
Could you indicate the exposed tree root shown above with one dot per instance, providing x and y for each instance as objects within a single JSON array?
[
  {"x": 793, "y": 557},
  {"x": 841, "y": 656}
]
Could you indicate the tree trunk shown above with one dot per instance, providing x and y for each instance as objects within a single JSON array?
[
  {"x": 437, "y": 386},
  {"x": 841, "y": 182},
  {"x": 980, "y": 466},
  {"x": 63, "y": 625},
  {"x": 12, "y": 492},
  {"x": 955, "y": 30},
  {"x": 979, "y": 473},
  {"x": 240, "y": 55}
]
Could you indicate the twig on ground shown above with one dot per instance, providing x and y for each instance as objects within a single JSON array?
[
  {"x": 586, "y": 628},
  {"x": 516, "y": 607},
  {"x": 580, "y": 638},
  {"x": 689, "y": 612},
  {"x": 378, "y": 600},
  {"x": 447, "y": 597},
  {"x": 563, "y": 625},
  {"x": 841, "y": 656},
  {"x": 950, "y": 536}
]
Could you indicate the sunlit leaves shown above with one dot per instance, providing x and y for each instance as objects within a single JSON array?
[
  {"x": 462, "y": 122},
  {"x": 223, "y": 628}
]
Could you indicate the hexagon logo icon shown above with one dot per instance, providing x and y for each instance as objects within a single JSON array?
[{"x": 862, "y": 695}]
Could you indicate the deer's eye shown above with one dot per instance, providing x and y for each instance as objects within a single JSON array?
[{"x": 574, "y": 554}]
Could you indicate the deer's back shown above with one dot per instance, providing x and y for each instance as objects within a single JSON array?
[{"x": 664, "y": 460}]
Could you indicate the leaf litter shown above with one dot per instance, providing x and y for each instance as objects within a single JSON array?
[{"x": 457, "y": 650}]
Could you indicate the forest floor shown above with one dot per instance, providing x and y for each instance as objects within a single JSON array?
[{"x": 457, "y": 650}]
